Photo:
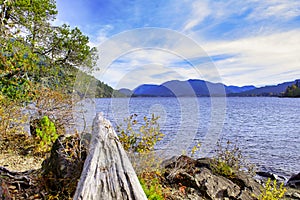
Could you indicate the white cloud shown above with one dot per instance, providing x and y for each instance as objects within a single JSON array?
[
  {"x": 199, "y": 11},
  {"x": 266, "y": 55},
  {"x": 261, "y": 60},
  {"x": 151, "y": 66},
  {"x": 279, "y": 9}
]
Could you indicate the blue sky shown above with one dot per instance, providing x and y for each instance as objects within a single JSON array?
[{"x": 245, "y": 42}]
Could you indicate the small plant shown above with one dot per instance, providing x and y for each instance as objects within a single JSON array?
[
  {"x": 230, "y": 159},
  {"x": 46, "y": 135},
  {"x": 151, "y": 185},
  {"x": 271, "y": 191},
  {"x": 141, "y": 139},
  {"x": 222, "y": 168},
  {"x": 195, "y": 149}
]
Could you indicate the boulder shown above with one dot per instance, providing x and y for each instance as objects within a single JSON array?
[
  {"x": 294, "y": 181},
  {"x": 194, "y": 179}
]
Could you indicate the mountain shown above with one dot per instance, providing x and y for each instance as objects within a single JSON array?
[
  {"x": 149, "y": 90},
  {"x": 200, "y": 88},
  {"x": 191, "y": 87},
  {"x": 271, "y": 90},
  {"x": 125, "y": 92},
  {"x": 235, "y": 89}
]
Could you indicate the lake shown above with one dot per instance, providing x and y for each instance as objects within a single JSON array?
[{"x": 266, "y": 129}]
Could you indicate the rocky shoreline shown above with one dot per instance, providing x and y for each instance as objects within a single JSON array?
[
  {"x": 185, "y": 177},
  {"x": 199, "y": 181}
]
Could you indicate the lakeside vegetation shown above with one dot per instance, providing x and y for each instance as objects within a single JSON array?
[
  {"x": 293, "y": 90},
  {"x": 39, "y": 63}
]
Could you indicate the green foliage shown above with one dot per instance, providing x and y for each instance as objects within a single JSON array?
[
  {"x": 46, "y": 134},
  {"x": 292, "y": 91},
  {"x": 271, "y": 191},
  {"x": 229, "y": 160},
  {"x": 153, "y": 192},
  {"x": 142, "y": 139},
  {"x": 139, "y": 139},
  {"x": 43, "y": 54},
  {"x": 195, "y": 149},
  {"x": 150, "y": 182},
  {"x": 223, "y": 169}
]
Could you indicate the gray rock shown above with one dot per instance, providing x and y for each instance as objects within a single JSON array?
[
  {"x": 296, "y": 195},
  {"x": 294, "y": 181},
  {"x": 200, "y": 182}
]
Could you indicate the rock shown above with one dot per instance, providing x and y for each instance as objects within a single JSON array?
[
  {"x": 201, "y": 183},
  {"x": 294, "y": 181},
  {"x": 267, "y": 175},
  {"x": 296, "y": 195},
  {"x": 270, "y": 175},
  {"x": 216, "y": 187}
]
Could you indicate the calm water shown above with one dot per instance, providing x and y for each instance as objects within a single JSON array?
[{"x": 266, "y": 129}]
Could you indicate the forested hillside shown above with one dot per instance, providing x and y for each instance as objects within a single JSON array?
[{"x": 34, "y": 53}]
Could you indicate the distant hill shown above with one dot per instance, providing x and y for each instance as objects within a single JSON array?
[
  {"x": 125, "y": 92},
  {"x": 272, "y": 90},
  {"x": 235, "y": 89},
  {"x": 192, "y": 87},
  {"x": 89, "y": 86},
  {"x": 201, "y": 88}
]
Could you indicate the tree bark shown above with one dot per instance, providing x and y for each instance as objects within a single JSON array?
[{"x": 107, "y": 172}]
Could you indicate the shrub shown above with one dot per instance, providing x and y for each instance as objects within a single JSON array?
[
  {"x": 150, "y": 182},
  {"x": 54, "y": 104},
  {"x": 223, "y": 169},
  {"x": 11, "y": 117},
  {"x": 271, "y": 191},
  {"x": 46, "y": 135},
  {"x": 195, "y": 149},
  {"x": 139, "y": 139},
  {"x": 229, "y": 159}
]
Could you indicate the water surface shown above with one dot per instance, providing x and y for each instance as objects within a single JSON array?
[{"x": 266, "y": 129}]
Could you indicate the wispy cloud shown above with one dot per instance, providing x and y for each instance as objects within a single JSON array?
[
  {"x": 199, "y": 11},
  {"x": 263, "y": 59},
  {"x": 278, "y": 9},
  {"x": 250, "y": 41}
]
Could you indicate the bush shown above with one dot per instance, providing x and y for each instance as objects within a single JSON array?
[
  {"x": 153, "y": 190},
  {"x": 45, "y": 135},
  {"x": 11, "y": 117},
  {"x": 223, "y": 169},
  {"x": 139, "y": 139},
  {"x": 151, "y": 184},
  {"x": 271, "y": 191},
  {"x": 56, "y": 105},
  {"x": 229, "y": 159}
]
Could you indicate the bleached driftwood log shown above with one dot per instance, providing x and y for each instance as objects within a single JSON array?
[{"x": 107, "y": 172}]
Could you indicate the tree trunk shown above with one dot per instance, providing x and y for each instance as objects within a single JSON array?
[{"x": 107, "y": 172}]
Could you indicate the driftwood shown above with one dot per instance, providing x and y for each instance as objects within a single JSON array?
[{"x": 107, "y": 172}]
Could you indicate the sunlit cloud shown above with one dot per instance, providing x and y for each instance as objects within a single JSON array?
[{"x": 248, "y": 42}]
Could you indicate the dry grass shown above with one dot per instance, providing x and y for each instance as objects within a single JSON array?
[{"x": 20, "y": 163}]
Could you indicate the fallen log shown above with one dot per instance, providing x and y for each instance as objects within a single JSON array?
[{"x": 107, "y": 172}]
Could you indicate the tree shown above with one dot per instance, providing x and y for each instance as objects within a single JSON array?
[
  {"x": 292, "y": 91},
  {"x": 34, "y": 51}
]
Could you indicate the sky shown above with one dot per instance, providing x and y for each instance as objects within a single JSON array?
[{"x": 249, "y": 42}]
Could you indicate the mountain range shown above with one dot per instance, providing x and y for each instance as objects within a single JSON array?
[{"x": 201, "y": 88}]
